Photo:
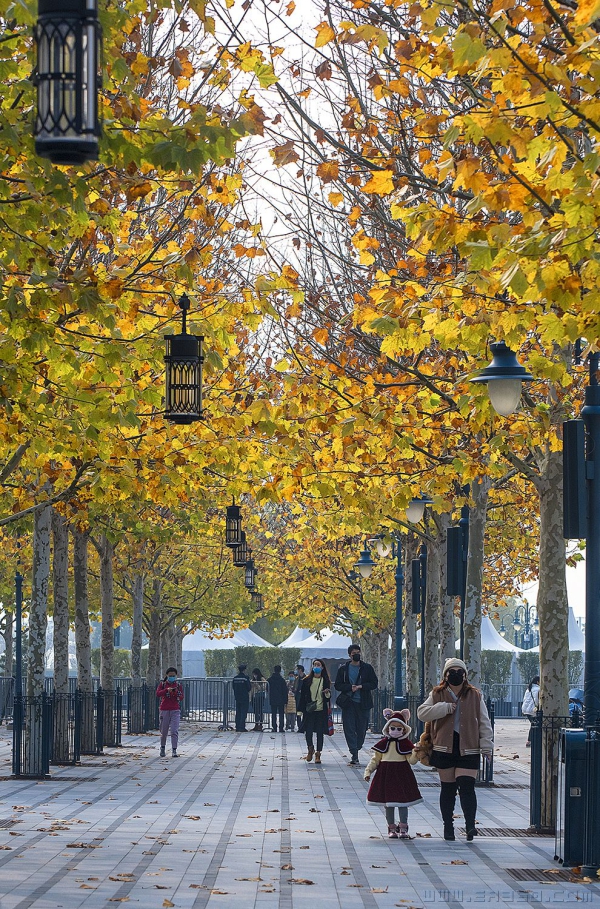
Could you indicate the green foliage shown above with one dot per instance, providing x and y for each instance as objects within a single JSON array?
[
  {"x": 529, "y": 665},
  {"x": 575, "y": 668},
  {"x": 223, "y": 663},
  {"x": 495, "y": 670},
  {"x": 219, "y": 663},
  {"x": 122, "y": 664}
]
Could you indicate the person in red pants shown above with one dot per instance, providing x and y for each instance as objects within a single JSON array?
[{"x": 170, "y": 692}]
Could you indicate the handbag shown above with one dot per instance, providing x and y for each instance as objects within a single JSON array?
[
  {"x": 330, "y": 729},
  {"x": 311, "y": 706},
  {"x": 343, "y": 699}
]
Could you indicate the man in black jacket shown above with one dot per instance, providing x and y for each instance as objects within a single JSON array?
[
  {"x": 241, "y": 693},
  {"x": 278, "y": 695},
  {"x": 355, "y": 681}
]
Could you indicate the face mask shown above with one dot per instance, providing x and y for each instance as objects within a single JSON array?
[
  {"x": 171, "y": 678},
  {"x": 356, "y": 657},
  {"x": 290, "y": 678},
  {"x": 395, "y": 733},
  {"x": 317, "y": 670},
  {"x": 456, "y": 676}
]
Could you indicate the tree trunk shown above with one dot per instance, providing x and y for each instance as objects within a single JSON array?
[
  {"x": 38, "y": 612},
  {"x": 107, "y": 641},
  {"x": 60, "y": 576},
  {"x": 60, "y": 566},
  {"x": 553, "y": 616},
  {"x": 85, "y": 682},
  {"x": 154, "y": 645},
  {"x": 178, "y": 650},
  {"x": 137, "y": 597},
  {"x": 34, "y": 763},
  {"x": 447, "y": 618},
  {"x": 9, "y": 630},
  {"x": 432, "y": 617},
  {"x": 136, "y": 707},
  {"x": 552, "y": 603},
  {"x": 480, "y": 490},
  {"x": 375, "y": 649},
  {"x": 410, "y": 623}
]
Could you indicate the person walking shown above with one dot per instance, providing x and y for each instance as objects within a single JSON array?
[
  {"x": 394, "y": 784},
  {"x": 258, "y": 687},
  {"x": 355, "y": 681},
  {"x": 460, "y": 732},
  {"x": 170, "y": 693},
  {"x": 241, "y": 694},
  {"x": 300, "y": 676},
  {"x": 290, "y": 707},
  {"x": 278, "y": 694},
  {"x": 531, "y": 704},
  {"x": 313, "y": 704}
]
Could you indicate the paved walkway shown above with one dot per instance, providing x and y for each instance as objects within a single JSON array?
[{"x": 242, "y": 821}]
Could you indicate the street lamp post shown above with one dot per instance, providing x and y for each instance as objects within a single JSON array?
[
  {"x": 364, "y": 566},
  {"x": 530, "y": 622},
  {"x": 457, "y": 553},
  {"x": 18, "y": 693},
  {"x": 581, "y": 465}
]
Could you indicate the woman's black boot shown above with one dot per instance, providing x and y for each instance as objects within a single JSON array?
[
  {"x": 447, "y": 800},
  {"x": 468, "y": 803}
]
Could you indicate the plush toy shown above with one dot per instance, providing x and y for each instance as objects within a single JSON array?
[{"x": 424, "y": 746}]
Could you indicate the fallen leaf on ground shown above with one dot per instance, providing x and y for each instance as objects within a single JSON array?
[
  {"x": 193, "y": 817},
  {"x": 248, "y": 878},
  {"x": 299, "y": 880},
  {"x": 287, "y": 867},
  {"x": 379, "y": 889}
]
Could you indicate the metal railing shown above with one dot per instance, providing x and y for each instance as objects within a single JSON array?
[
  {"x": 65, "y": 736},
  {"x": 32, "y": 736},
  {"x": 543, "y": 793}
]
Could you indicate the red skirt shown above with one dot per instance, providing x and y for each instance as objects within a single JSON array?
[{"x": 394, "y": 785}]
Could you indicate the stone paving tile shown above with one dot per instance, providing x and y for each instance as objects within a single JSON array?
[{"x": 242, "y": 821}]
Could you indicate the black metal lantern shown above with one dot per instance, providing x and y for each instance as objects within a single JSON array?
[
  {"x": 258, "y": 600},
  {"x": 250, "y": 573},
  {"x": 365, "y": 563},
  {"x": 241, "y": 553},
  {"x": 233, "y": 525},
  {"x": 183, "y": 358},
  {"x": 67, "y": 76}
]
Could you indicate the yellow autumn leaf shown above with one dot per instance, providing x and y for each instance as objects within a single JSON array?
[
  {"x": 380, "y": 184},
  {"x": 587, "y": 11},
  {"x": 325, "y": 34},
  {"x": 336, "y": 198}
]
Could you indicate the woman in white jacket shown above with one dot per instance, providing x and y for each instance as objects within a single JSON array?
[{"x": 461, "y": 732}]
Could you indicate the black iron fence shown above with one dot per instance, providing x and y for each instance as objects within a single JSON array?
[
  {"x": 543, "y": 793},
  {"x": 32, "y": 736}
]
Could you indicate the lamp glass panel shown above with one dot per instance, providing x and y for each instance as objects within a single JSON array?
[
  {"x": 364, "y": 569},
  {"x": 415, "y": 511},
  {"x": 383, "y": 549},
  {"x": 505, "y": 395}
]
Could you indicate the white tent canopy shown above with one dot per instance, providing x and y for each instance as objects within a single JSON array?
[
  {"x": 491, "y": 639},
  {"x": 251, "y": 638},
  {"x": 327, "y": 644},
  {"x": 576, "y": 635},
  {"x": 296, "y": 637}
]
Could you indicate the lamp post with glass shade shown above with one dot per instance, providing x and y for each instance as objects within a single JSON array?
[{"x": 504, "y": 378}]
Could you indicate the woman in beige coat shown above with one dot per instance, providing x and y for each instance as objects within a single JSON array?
[{"x": 461, "y": 732}]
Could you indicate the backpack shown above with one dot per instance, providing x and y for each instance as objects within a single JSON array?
[{"x": 528, "y": 707}]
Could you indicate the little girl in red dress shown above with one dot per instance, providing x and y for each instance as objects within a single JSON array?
[{"x": 394, "y": 784}]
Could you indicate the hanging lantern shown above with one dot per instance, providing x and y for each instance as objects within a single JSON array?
[
  {"x": 258, "y": 600},
  {"x": 67, "y": 77},
  {"x": 250, "y": 573},
  {"x": 241, "y": 553},
  {"x": 233, "y": 525},
  {"x": 183, "y": 359},
  {"x": 504, "y": 378}
]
